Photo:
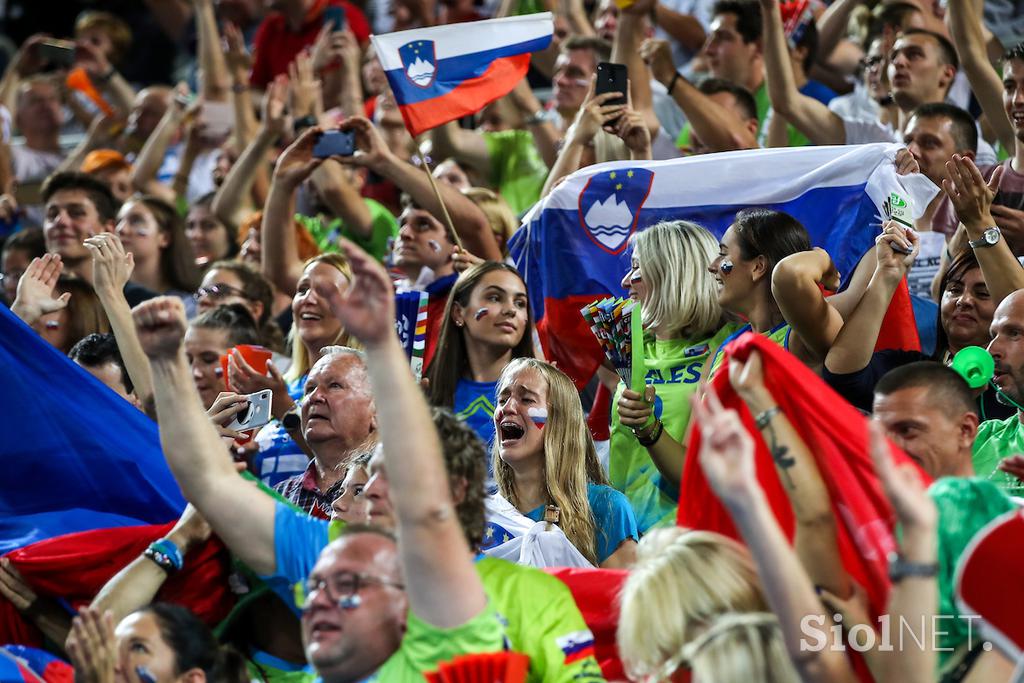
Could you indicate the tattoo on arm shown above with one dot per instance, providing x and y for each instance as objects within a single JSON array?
[{"x": 780, "y": 454}]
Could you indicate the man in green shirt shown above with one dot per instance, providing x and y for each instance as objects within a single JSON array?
[{"x": 1000, "y": 439}]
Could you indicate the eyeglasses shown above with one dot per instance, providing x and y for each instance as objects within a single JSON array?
[
  {"x": 340, "y": 586},
  {"x": 219, "y": 291}
]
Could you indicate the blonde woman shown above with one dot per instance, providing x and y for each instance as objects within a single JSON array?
[
  {"x": 681, "y": 581},
  {"x": 499, "y": 214},
  {"x": 683, "y": 328},
  {"x": 740, "y": 648},
  {"x": 544, "y": 456},
  {"x": 314, "y": 327}
]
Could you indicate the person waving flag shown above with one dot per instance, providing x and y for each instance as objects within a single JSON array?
[{"x": 443, "y": 73}]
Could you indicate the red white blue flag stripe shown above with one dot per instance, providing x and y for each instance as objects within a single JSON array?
[{"x": 443, "y": 73}]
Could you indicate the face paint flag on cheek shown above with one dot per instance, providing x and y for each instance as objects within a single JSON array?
[
  {"x": 480, "y": 313},
  {"x": 539, "y": 416},
  {"x": 726, "y": 267},
  {"x": 434, "y": 245}
]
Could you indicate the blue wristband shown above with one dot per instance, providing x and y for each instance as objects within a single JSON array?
[{"x": 167, "y": 549}]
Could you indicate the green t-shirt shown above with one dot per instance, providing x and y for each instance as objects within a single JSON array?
[
  {"x": 424, "y": 647},
  {"x": 996, "y": 440},
  {"x": 542, "y": 620},
  {"x": 517, "y": 169},
  {"x": 674, "y": 367},
  {"x": 761, "y": 99},
  {"x": 965, "y": 506},
  {"x": 778, "y": 334},
  {"x": 326, "y": 235}
]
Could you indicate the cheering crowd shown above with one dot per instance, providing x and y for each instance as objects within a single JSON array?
[{"x": 393, "y": 466}]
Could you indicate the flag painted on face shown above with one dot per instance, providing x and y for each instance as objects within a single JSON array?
[
  {"x": 443, "y": 73},
  {"x": 573, "y": 247}
]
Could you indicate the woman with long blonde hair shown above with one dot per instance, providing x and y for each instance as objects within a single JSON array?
[
  {"x": 544, "y": 457},
  {"x": 683, "y": 326}
]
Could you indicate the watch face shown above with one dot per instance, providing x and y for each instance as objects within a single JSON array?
[{"x": 991, "y": 236}]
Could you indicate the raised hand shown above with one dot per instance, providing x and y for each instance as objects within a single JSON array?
[
  {"x": 970, "y": 194},
  {"x": 726, "y": 449},
  {"x": 658, "y": 55},
  {"x": 594, "y": 115},
  {"x": 112, "y": 266},
  {"x": 160, "y": 325},
  {"x": 906, "y": 163},
  {"x": 297, "y": 162},
  {"x": 91, "y": 58},
  {"x": 236, "y": 53},
  {"x": 223, "y": 411},
  {"x": 35, "y": 289},
  {"x": 902, "y": 483},
  {"x": 305, "y": 87},
  {"x": 367, "y": 308},
  {"x": 190, "y": 531},
  {"x": 92, "y": 646},
  {"x": 462, "y": 260},
  {"x": 747, "y": 378},
  {"x": 896, "y": 249},
  {"x": 634, "y": 132},
  {"x": 250, "y": 380},
  {"x": 371, "y": 149},
  {"x": 275, "y": 101}
]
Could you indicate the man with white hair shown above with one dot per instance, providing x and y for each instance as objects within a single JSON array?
[{"x": 338, "y": 421}]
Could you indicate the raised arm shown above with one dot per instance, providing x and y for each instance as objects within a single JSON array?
[
  {"x": 280, "y": 253},
  {"x": 140, "y": 580},
  {"x": 465, "y": 146},
  {"x": 35, "y": 291},
  {"x": 717, "y": 127},
  {"x": 214, "y": 82},
  {"x": 727, "y": 458},
  {"x": 832, "y": 25},
  {"x": 111, "y": 269},
  {"x": 342, "y": 198},
  {"x": 808, "y": 115},
  {"x": 965, "y": 27},
  {"x": 239, "y": 64},
  {"x": 795, "y": 283},
  {"x": 150, "y": 158},
  {"x": 470, "y": 222},
  {"x": 443, "y": 586},
  {"x": 913, "y": 599},
  {"x": 972, "y": 198},
  {"x": 232, "y": 198},
  {"x": 815, "y": 540},
  {"x": 237, "y": 511},
  {"x": 545, "y": 136},
  {"x": 854, "y": 345},
  {"x": 629, "y": 35}
]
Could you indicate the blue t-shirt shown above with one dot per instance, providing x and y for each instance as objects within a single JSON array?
[
  {"x": 474, "y": 405},
  {"x": 279, "y": 457},
  {"x": 614, "y": 521},
  {"x": 298, "y": 540}
]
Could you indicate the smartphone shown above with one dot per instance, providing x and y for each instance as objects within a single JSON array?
[
  {"x": 256, "y": 414},
  {"x": 218, "y": 119},
  {"x": 612, "y": 78},
  {"x": 59, "y": 53},
  {"x": 341, "y": 143},
  {"x": 334, "y": 16}
]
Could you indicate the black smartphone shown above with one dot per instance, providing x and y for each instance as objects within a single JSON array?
[
  {"x": 612, "y": 78},
  {"x": 335, "y": 143},
  {"x": 58, "y": 53},
  {"x": 335, "y": 16}
]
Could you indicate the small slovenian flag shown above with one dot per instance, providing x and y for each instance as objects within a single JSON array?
[
  {"x": 576, "y": 646},
  {"x": 443, "y": 73}
]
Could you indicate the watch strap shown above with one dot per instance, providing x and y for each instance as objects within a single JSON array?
[
  {"x": 983, "y": 241},
  {"x": 900, "y": 569}
]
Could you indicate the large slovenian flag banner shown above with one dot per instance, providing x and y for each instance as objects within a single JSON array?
[
  {"x": 443, "y": 73},
  {"x": 85, "y": 486},
  {"x": 573, "y": 246}
]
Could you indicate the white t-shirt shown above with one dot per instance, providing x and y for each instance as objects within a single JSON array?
[
  {"x": 699, "y": 9},
  {"x": 862, "y": 132},
  {"x": 33, "y": 164},
  {"x": 926, "y": 265}
]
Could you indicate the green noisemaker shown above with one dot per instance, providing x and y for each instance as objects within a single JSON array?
[{"x": 975, "y": 365}]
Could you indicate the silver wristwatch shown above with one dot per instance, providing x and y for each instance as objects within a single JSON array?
[{"x": 989, "y": 238}]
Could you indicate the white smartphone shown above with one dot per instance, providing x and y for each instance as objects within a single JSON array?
[{"x": 256, "y": 414}]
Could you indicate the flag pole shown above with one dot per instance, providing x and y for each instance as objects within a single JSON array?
[{"x": 437, "y": 193}]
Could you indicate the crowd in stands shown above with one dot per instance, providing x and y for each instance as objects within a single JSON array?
[{"x": 168, "y": 224}]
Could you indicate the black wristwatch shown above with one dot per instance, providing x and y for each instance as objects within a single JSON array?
[
  {"x": 291, "y": 420},
  {"x": 900, "y": 569},
  {"x": 303, "y": 123}
]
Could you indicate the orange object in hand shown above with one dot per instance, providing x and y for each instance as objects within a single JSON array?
[{"x": 79, "y": 80}]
